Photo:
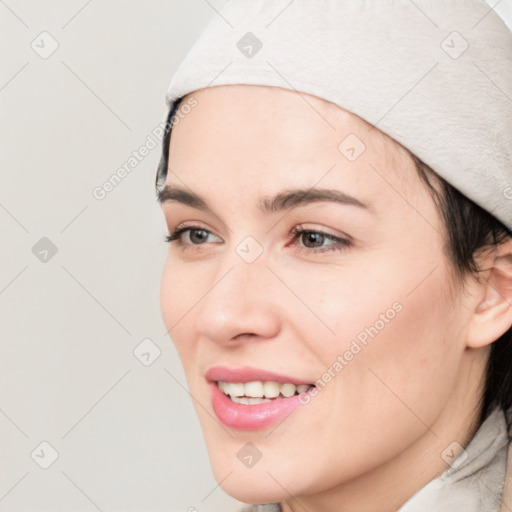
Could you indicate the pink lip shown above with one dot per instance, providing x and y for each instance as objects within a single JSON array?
[
  {"x": 249, "y": 374},
  {"x": 250, "y": 417}
]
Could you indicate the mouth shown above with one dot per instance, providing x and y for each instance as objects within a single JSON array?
[{"x": 252, "y": 399}]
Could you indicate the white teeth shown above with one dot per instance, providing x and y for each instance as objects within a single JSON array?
[
  {"x": 232, "y": 388},
  {"x": 254, "y": 389},
  {"x": 271, "y": 389},
  {"x": 249, "y": 401},
  {"x": 288, "y": 390},
  {"x": 258, "y": 391}
]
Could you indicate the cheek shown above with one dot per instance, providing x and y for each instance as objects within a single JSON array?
[
  {"x": 177, "y": 298},
  {"x": 381, "y": 342},
  {"x": 400, "y": 356}
]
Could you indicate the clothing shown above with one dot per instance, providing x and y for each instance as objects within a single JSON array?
[
  {"x": 481, "y": 483},
  {"x": 435, "y": 75}
]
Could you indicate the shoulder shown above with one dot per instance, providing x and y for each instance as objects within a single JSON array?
[{"x": 506, "y": 504}]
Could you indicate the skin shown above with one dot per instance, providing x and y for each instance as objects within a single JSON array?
[{"x": 375, "y": 434}]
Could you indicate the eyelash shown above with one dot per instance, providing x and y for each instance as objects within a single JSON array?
[{"x": 339, "y": 243}]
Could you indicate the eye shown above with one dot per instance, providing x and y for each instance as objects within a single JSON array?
[
  {"x": 196, "y": 235},
  {"x": 315, "y": 241}
]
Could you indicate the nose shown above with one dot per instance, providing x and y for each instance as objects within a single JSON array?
[{"x": 241, "y": 303}]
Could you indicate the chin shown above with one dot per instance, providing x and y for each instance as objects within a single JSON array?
[
  {"x": 269, "y": 480},
  {"x": 252, "y": 488}
]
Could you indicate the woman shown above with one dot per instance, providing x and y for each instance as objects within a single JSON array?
[{"x": 337, "y": 190}]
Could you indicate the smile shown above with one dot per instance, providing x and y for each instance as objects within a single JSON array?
[{"x": 252, "y": 399}]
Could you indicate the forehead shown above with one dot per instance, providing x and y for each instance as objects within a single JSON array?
[{"x": 271, "y": 137}]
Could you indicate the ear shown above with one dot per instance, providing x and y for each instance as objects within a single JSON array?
[{"x": 492, "y": 315}]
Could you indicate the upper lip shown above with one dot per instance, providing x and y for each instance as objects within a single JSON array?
[{"x": 249, "y": 374}]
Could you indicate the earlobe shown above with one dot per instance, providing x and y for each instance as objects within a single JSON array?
[{"x": 492, "y": 315}]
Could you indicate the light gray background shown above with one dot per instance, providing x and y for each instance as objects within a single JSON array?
[{"x": 126, "y": 434}]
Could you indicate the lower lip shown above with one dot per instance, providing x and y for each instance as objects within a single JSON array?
[{"x": 251, "y": 417}]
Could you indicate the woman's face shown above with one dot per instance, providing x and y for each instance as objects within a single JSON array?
[{"x": 360, "y": 305}]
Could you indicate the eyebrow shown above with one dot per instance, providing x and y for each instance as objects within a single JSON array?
[{"x": 285, "y": 200}]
